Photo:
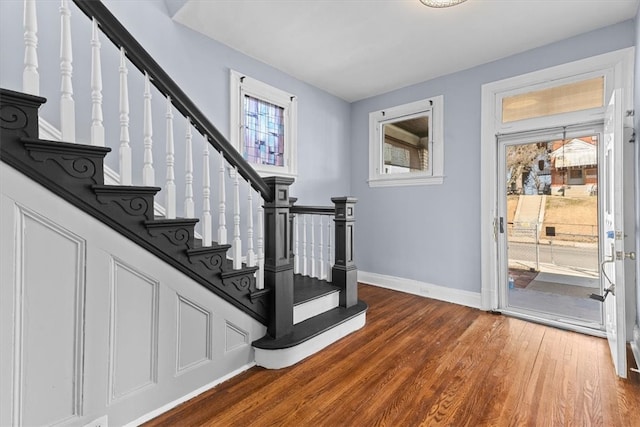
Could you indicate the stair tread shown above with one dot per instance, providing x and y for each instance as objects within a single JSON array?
[
  {"x": 307, "y": 288},
  {"x": 161, "y": 221},
  {"x": 215, "y": 247},
  {"x": 239, "y": 272},
  {"x": 61, "y": 146},
  {"x": 312, "y": 327},
  {"x": 125, "y": 189}
]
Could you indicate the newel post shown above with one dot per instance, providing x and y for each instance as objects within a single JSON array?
[
  {"x": 278, "y": 266},
  {"x": 345, "y": 272}
]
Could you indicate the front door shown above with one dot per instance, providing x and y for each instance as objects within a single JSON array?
[
  {"x": 549, "y": 230},
  {"x": 613, "y": 239}
]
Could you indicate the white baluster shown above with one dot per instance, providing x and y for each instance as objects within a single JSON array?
[
  {"x": 329, "y": 253},
  {"x": 97, "y": 128},
  {"x": 125, "y": 149},
  {"x": 148, "y": 175},
  {"x": 206, "y": 194},
  {"x": 30, "y": 76},
  {"x": 304, "y": 245},
  {"x": 67, "y": 105},
  {"x": 170, "y": 186},
  {"x": 296, "y": 245},
  {"x": 237, "y": 243},
  {"x": 222, "y": 218},
  {"x": 320, "y": 252},
  {"x": 260, "y": 272},
  {"x": 189, "y": 209},
  {"x": 251, "y": 256},
  {"x": 313, "y": 247}
]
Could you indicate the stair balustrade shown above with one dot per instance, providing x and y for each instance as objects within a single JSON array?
[
  {"x": 342, "y": 272},
  {"x": 290, "y": 240},
  {"x": 244, "y": 179}
]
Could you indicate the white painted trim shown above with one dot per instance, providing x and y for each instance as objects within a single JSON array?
[
  {"x": 282, "y": 358},
  {"x": 48, "y": 131},
  {"x": 309, "y": 309},
  {"x": 635, "y": 345},
  {"x": 151, "y": 415},
  {"x": 618, "y": 64},
  {"x": 423, "y": 289}
]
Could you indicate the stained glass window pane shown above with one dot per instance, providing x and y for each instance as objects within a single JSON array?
[{"x": 263, "y": 132}]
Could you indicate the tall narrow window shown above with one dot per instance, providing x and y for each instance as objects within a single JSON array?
[{"x": 263, "y": 125}]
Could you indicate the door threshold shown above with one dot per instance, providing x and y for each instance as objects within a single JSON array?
[{"x": 573, "y": 325}]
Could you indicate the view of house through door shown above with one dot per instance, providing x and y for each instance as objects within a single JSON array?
[{"x": 549, "y": 225}]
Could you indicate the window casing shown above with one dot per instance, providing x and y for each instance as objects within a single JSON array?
[
  {"x": 406, "y": 144},
  {"x": 264, "y": 125}
]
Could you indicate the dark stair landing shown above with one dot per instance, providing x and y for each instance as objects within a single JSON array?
[
  {"x": 307, "y": 288},
  {"x": 312, "y": 327}
]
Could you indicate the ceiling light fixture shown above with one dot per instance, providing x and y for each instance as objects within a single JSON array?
[{"x": 441, "y": 3}]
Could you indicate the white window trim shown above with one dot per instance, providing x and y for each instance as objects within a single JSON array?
[
  {"x": 617, "y": 66},
  {"x": 241, "y": 85},
  {"x": 434, "y": 175}
]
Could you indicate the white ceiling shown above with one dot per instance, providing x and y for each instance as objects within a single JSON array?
[{"x": 355, "y": 49}]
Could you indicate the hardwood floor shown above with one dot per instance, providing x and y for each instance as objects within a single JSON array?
[{"x": 424, "y": 362}]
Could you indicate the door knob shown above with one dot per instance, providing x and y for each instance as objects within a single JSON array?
[{"x": 620, "y": 255}]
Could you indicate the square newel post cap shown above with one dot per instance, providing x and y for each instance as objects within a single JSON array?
[
  {"x": 345, "y": 199},
  {"x": 278, "y": 180},
  {"x": 279, "y": 187},
  {"x": 344, "y": 208}
]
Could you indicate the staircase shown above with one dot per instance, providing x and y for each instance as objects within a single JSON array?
[{"x": 306, "y": 302}]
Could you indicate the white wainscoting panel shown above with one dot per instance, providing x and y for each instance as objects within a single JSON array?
[
  {"x": 456, "y": 296},
  {"x": 100, "y": 325},
  {"x": 133, "y": 330},
  {"x": 48, "y": 344},
  {"x": 194, "y": 335},
  {"x": 235, "y": 337}
]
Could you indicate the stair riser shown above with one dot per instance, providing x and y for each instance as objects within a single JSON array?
[{"x": 309, "y": 309}]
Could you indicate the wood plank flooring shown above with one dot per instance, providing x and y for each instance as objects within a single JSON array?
[{"x": 422, "y": 362}]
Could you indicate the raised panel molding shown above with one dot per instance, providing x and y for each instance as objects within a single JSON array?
[
  {"x": 133, "y": 330},
  {"x": 193, "y": 343},
  {"x": 48, "y": 335},
  {"x": 235, "y": 337}
]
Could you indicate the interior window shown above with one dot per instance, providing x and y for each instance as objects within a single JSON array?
[{"x": 406, "y": 144}]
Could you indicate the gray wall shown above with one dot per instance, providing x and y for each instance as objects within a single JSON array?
[
  {"x": 432, "y": 233},
  {"x": 200, "y": 66}
]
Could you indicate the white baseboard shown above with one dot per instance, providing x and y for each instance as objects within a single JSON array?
[
  {"x": 635, "y": 345},
  {"x": 151, "y": 415},
  {"x": 415, "y": 287}
]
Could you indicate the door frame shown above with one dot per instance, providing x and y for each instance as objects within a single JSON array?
[{"x": 616, "y": 67}]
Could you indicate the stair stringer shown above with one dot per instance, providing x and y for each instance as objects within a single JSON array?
[{"x": 75, "y": 173}]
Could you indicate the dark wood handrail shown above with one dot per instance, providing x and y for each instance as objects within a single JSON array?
[
  {"x": 313, "y": 210},
  {"x": 139, "y": 57}
]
